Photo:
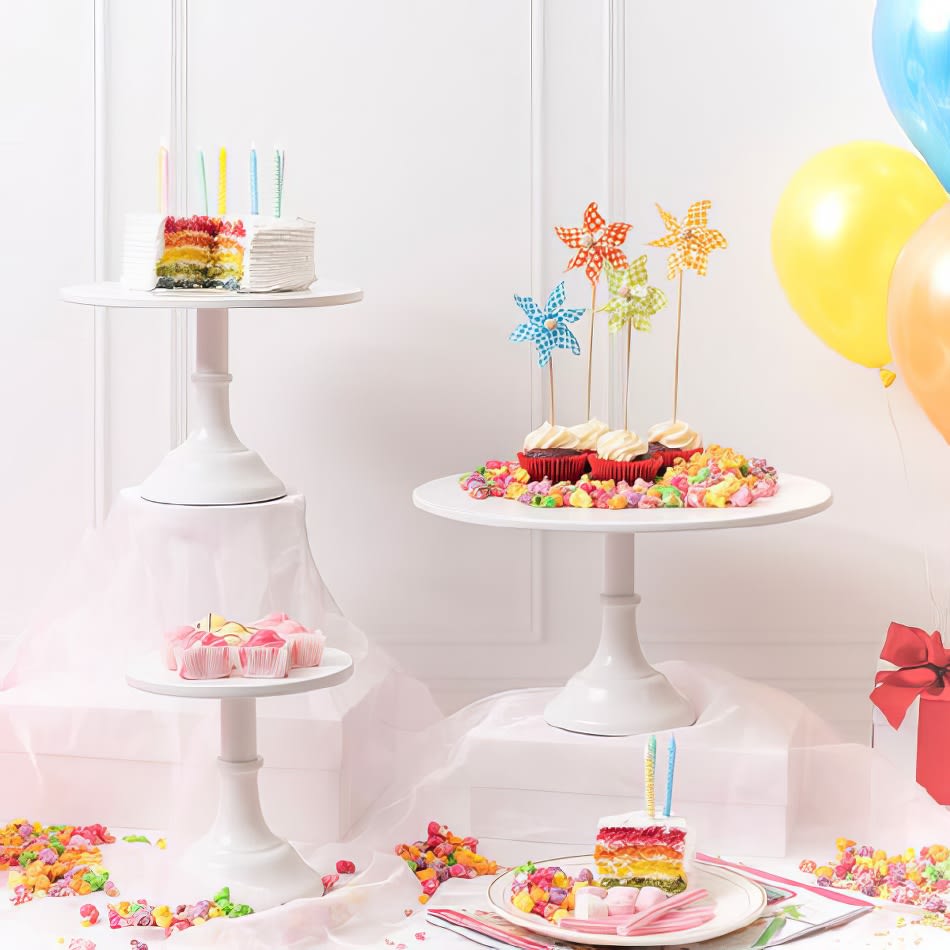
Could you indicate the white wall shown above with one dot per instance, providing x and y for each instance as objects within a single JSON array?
[{"x": 436, "y": 172}]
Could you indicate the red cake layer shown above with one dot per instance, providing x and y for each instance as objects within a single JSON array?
[{"x": 642, "y": 837}]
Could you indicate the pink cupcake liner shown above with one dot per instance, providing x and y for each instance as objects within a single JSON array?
[
  {"x": 200, "y": 662},
  {"x": 647, "y": 469},
  {"x": 306, "y": 649},
  {"x": 559, "y": 468},
  {"x": 265, "y": 661}
]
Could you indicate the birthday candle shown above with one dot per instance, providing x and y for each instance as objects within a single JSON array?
[
  {"x": 223, "y": 182},
  {"x": 278, "y": 181},
  {"x": 204, "y": 181},
  {"x": 163, "y": 179},
  {"x": 670, "y": 769},
  {"x": 254, "y": 209},
  {"x": 649, "y": 776}
]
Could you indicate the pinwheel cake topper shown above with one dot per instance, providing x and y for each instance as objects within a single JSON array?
[
  {"x": 633, "y": 304},
  {"x": 548, "y": 329},
  {"x": 597, "y": 243},
  {"x": 691, "y": 240}
]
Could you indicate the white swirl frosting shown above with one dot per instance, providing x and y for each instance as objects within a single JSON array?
[
  {"x": 621, "y": 445},
  {"x": 588, "y": 433},
  {"x": 547, "y": 436},
  {"x": 675, "y": 434}
]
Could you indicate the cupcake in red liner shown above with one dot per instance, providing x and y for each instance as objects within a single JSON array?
[
  {"x": 674, "y": 440},
  {"x": 207, "y": 659},
  {"x": 623, "y": 456},
  {"x": 553, "y": 452},
  {"x": 265, "y": 654}
]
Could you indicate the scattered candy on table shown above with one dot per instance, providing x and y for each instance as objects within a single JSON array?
[
  {"x": 89, "y": 914},
  {"x": 143, "y": 914},
  {"x": 920, "y": 878},
  {"x": 443, "y": 855},
  {"x": 138, "y": 945},
  {"x": 328, "y": 881},
  {"x": 714, "y": 478},
  {"x": 345, "y": 867},
  {"x": 136, "y": 839},
  {"x": 78, "y": 943}
]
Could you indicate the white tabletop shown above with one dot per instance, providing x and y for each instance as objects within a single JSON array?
[
  {"x": 322, "y": 293},
  {"x": 150, "y": 674},
  {"x": 797, "y": 497}
]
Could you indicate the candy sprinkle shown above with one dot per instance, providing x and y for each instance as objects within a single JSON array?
[{"x": 442, "y": 855}]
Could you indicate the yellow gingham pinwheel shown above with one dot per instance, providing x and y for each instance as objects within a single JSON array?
[
  {"x": 632, "y": 300},
  {"x": 692, "y": 240}
]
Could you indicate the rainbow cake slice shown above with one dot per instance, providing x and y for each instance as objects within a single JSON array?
[
  {"x": 635, "y": 850},
  {"x": 227, "y": 254}
]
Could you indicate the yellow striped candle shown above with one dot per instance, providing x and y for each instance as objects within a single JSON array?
[
  {"x": 223, "y": 182},
  {"x": 649, "y": 776}
]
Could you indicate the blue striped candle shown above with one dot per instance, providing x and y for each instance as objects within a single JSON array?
[
  {"x": 254, "y": 204},
  {"x": 670, "y": 769}
]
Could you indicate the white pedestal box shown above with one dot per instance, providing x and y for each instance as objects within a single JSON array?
[
  {"x": 81, "y": 750},
  {"x": 735, "y": 780}
]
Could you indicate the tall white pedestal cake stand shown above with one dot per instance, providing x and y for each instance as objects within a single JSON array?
[
  {"x": 619, "y": 693},
  {"x": 240, "y": 849},
  {"x": 212, "y": 466}
]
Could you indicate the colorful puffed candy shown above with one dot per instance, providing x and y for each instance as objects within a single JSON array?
[
  {"x": 89, "y": 914},
  {"x": 717, "y": 477},
  {"x": 920, "y": 878},
  {"x": 442, "y": 855},
  {"x": 142, "y": 914},
  {"x": 552, "y": 893},
  {"x": 78, "y": 943}
]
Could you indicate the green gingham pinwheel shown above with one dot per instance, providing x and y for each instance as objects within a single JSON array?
[
  {"x": 547, "y": 328},
  {"x": 632, "y": 300}
]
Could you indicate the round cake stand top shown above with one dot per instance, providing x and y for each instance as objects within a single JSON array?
[
  {"x": 150, "y": 674},
  {"x": 797, "y": 497},
  {"x": 322, "y": 293}
]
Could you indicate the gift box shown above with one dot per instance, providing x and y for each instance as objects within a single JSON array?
[{"x": 916, "y": 683}]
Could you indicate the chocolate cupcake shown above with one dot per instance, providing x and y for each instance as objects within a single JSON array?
[
  {"x": 552, "y": 452},
  {"x": 674, "y": 440},
  {"x": 623, "y": 456}
]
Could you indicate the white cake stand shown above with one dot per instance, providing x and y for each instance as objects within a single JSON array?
[
  {"x": 240, "y": 849},
  {"x": 619, "y": 693},
  {"x": 212, "y": 466}
]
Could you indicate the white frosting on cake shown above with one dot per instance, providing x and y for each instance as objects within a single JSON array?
[
  {"x": 278, "y": 254},
  {"x": 142, "y": 245}
]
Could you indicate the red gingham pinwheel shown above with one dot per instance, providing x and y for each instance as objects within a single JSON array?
[{"x": 596, "y": 242}]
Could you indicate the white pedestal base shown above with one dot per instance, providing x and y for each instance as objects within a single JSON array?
[
  {"x": 213, "y": 466},
  {"x": 618, "y": 693}
]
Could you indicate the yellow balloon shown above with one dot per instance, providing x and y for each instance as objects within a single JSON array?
[{"x": 838, "y": 229}]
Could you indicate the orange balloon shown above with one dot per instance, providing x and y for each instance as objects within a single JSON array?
[{"x": 918, "y": 317}]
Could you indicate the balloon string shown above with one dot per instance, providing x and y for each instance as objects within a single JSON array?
[{"x": 937, "y": 612}]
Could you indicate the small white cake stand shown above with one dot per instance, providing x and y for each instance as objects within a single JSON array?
[
  {"x": 619, "y": 693},
  {"x": 212, "y": 466},
  {"x": 240, "y": 849}
]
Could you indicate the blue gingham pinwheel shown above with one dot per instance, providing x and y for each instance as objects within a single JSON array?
[{"x": 547, "y": 328}]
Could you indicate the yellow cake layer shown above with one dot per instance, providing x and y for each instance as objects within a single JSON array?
[
  {"x": 174, "y": 254},
  {"x": 640, "y": 868}
]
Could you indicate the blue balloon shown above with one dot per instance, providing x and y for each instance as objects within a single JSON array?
[{"x": 912, "y": 56}]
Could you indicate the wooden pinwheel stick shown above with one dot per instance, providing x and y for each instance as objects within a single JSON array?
[
  {"x": 676, "y": 359},
  {"x": 590, "y": 343},
  {"x": 551, "y": 386},
  {"x": 626, "y": 382}
]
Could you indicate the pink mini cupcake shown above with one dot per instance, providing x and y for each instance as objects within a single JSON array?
[
  {"x": 175, "y": 642},
  {"x": 207, "y": 659},
  {"x": 265, "y": 654},
  {"x": 306, "y": 649}
]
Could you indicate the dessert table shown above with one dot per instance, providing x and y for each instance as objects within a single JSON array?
[
  {"x": 240, "y": 848},
  {"x": 212, "y": 466},
  {"x": 619, "y": 693}
]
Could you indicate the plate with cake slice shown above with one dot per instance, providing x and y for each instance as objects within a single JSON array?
[{"x": 564, "y": 900}]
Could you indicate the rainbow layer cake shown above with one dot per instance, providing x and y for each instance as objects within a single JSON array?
[
  {"x": 254, "y": 254},
  {"x": 635, "y": 850}
]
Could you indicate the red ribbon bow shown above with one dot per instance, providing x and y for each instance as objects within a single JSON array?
[{"x": 924, "y": 668}]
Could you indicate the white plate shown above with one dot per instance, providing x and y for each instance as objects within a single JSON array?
[{"x": 738, "y": 901}]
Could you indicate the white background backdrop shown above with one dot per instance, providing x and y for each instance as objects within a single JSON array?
[{"x": 437, "y": 143}]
